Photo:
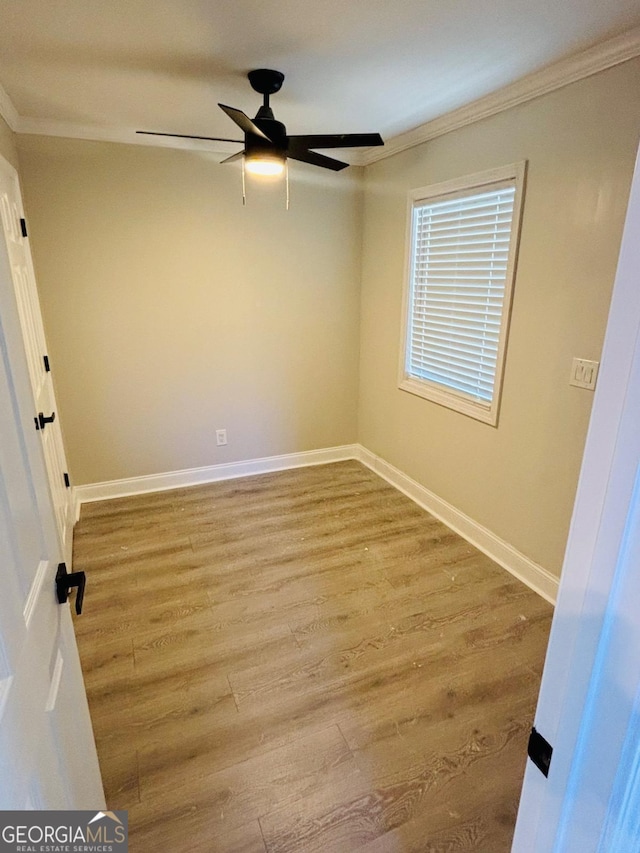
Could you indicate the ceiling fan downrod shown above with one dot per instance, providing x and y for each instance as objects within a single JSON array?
[{"x": 266, "y": 82}]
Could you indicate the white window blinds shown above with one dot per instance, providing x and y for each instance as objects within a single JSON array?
[{"x": 460, "y": 260}]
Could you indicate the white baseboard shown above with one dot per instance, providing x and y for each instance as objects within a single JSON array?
[
  {"x": 209, "y": 474},
  {"x": 534, "y": 576}
]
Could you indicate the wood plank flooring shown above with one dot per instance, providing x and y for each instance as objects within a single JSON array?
[{"x": 304, "y": 661}]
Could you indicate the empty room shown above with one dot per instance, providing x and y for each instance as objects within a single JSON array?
[{"x": 318, "y": 357}]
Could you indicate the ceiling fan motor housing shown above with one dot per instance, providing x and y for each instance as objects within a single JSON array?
[{"x": 275, "y": 130}]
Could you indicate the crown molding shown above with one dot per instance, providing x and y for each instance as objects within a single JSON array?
[
  {"x": 99, "y": 133},
  {"x": 591, "y": 61},
  {"x": 8, "y": 112}
]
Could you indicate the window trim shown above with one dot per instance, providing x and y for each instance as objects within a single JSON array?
[{"x": 436, "y": 393}]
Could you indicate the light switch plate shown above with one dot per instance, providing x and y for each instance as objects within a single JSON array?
[{"x": 584, "y": 373}]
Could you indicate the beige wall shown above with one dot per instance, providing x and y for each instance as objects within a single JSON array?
[
  {"x": 8, "y": 148},
  {"x": 171, "y": 310},
  {"x": 518, "y": 480}
]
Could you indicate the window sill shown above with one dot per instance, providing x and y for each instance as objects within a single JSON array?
[{"x": 488, "y": 414}]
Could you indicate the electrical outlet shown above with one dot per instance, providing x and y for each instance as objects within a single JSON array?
[
  {"x": 221, "y": 437},
  {"x": 584, "y": 373}
]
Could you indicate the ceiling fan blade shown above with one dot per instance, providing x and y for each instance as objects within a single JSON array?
[
  {"x": 243, "y": 121},
  {"x": 233, "y": 157},
  {"x": 338, "y": 140},
  {"x": 189, "y": 136},
  {"x": 306, "y": 156}
]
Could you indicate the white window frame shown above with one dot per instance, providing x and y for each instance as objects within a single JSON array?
[{"x": 468, "y": 185}]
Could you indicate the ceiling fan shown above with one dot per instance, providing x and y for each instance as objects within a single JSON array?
[{"x": 267, "y": 145}]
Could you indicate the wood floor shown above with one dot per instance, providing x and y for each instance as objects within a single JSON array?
[{"x": 304, "y": 661}]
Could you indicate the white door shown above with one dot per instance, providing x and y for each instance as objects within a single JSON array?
[
  {"x": 589, "y": 705},
  {"x": 24, "y": 283},
  {"x": 47, "y": 751}
]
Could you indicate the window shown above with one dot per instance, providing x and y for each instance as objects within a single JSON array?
[{"x": 462, "y": 246}]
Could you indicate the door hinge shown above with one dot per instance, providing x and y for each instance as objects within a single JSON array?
[
  {"x": 23, "y": 226},
  {"x": 539, "y": 751},
  {"x": 43, "y": 421},
  {"x": 47, "y": 366},
  {"x": 67, "y": 481}
]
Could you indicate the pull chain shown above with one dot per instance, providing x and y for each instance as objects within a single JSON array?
[
  {"x": 244, "y": 186},
  {"x": 286, "y": 178}
]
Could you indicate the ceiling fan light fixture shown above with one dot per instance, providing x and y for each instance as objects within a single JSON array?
[{"x": 264, "y": 163}]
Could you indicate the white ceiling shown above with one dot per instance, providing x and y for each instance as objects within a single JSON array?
[{"x": 350, "y": 65}]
